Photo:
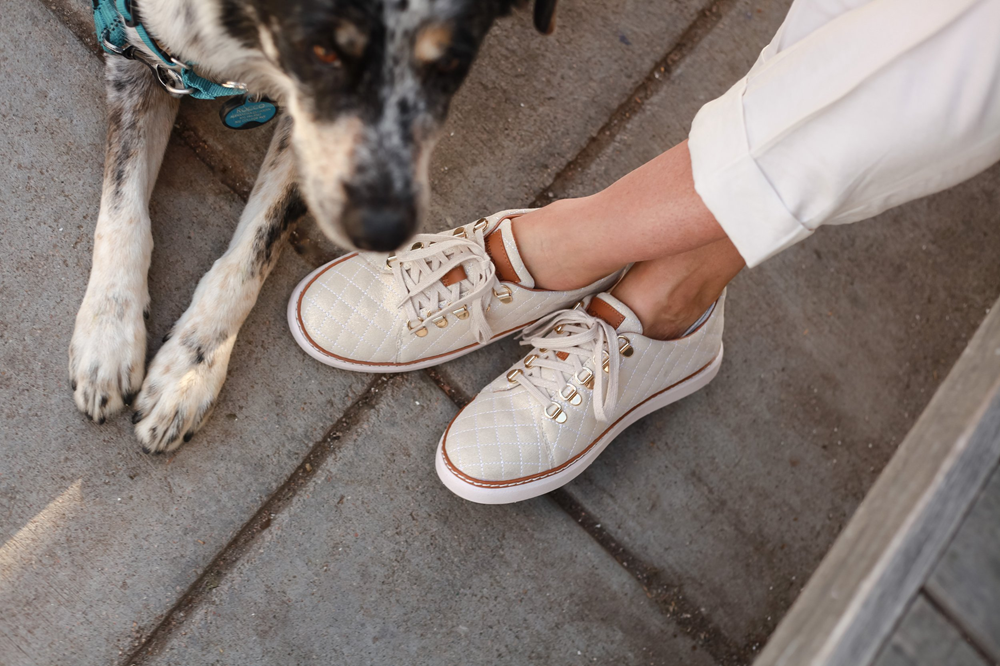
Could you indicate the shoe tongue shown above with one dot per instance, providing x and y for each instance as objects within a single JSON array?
[
  {"x": 610, "y": 309},
  {"x": 502, "y": 248}
]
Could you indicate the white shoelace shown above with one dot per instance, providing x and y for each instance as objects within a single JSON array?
[
  {"x": 580, "y": 337},
  {"x": 419, "y": 272}
]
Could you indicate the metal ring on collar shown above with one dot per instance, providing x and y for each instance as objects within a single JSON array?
[
  {"x": 172, "y": 81},
  {"x": 106, "y": 43}
]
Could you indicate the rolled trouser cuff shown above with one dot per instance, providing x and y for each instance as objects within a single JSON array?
[{"x": 732, "y": 185}]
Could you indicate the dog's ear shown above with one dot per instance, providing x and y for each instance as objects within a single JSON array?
[{"x": 545, "y": 16}]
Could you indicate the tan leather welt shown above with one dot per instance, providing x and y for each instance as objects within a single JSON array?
[
  {"x": 498, "y": 253},
  {"x": 454, "y": 276},
  {"x": 555, "y": 470},
  {"x": 602, "y": 310}
]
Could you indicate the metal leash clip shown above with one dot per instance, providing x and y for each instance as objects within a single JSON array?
[{"x": 169, "y": 76}]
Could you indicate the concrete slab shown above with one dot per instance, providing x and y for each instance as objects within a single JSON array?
[
  {"x": 97, "y": 540},
  {"x": 374, "y": 562},
  {"x": 833, "y": 349}
]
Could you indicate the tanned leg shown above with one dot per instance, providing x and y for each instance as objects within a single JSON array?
[
  {"x": 654, "y": 218},
  {"x": 185, "y": 378},
  {"x": 651, "y": 213},
  {"x": 108, "y": 350}
]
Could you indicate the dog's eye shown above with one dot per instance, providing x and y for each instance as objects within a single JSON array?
[
  {"x": 326, "y": 56},
  {"x": 447, "y": 64}
]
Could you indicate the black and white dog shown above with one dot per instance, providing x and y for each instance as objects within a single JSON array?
[{"x": 364, "y": 84}]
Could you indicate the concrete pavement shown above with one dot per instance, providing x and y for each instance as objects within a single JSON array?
[{"x": 305, "y": 523}]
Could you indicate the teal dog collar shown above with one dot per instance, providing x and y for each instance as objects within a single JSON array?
[{"x": 112, "y": 17}]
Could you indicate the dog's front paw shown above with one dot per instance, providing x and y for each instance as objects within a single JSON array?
[
  {"x": 107, "y": 354},
  {"x": 179, "y": 392}
]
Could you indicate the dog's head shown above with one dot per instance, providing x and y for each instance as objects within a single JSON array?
[{"x": 371, "y": 82}]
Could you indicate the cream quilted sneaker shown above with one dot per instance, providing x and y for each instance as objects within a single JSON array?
[
  {"x": 536, "y": 428},
  {"x": 448, "y": 295}
]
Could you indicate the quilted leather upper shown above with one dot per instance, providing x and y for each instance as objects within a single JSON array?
[
  {"x": 503, "y": 435},
  {"x": 351, "y": 311}
]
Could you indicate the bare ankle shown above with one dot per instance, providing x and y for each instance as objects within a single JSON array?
[
  {"x": 670, "y": 295},
  {"x": 668, "y": 322},
  {"x": 557, "y": 257}
]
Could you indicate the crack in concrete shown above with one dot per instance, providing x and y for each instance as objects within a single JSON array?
[{"x": 231, "y": 553}]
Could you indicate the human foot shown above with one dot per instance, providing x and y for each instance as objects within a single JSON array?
[
  {"x": 669, "y": 295},
  {"x": 447, "y": 296},
  {"x": 590, "y": 374}
]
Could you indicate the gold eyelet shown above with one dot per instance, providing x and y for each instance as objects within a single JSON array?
[
  {"x": 460, "y": 233},
  {"x": 419, "y": 332},
  {"x": 480, "y": 224},
  {"x": 462, "y": 313},
  {"x": 512, "y": 375},
  {"x": 555, "y": 412},
  {"x": 607, "y": 365},
  {"x": 528, "y": 361},
  {"x": 558, "y": 329},
  {"x": 624, "y": 346},
  {"x": 440, "y": 322},
  {"x": 417, "y": 246},
  {"x": 587, "y": 379},
  {"x": 505, "y": 296},
  {"x": 388, "y": 261},
  {"x": 578, "y": 306},
  {"x": 571, "y": 395}
]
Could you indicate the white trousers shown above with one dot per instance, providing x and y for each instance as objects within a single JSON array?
[{"x": 856, "y": 106}]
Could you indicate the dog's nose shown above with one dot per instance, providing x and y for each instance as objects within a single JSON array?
[{"x": 380, "y": 228}]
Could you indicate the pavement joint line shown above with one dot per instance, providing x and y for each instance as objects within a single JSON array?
[
  {"x": 669, "y": 599},
  {"x": 243, "y": 541},
  {"x": 653, "y": 82},
  {"x": 443, "y": 382}
]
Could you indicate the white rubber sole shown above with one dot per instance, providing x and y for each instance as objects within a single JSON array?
[
  {"x": 488, "y": 494},
  {"x": 300, "y": 337}
]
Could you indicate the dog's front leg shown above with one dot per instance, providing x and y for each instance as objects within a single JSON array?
[
  {"x": 108, "y": 350},
  {"x": 187, "y": 374}
]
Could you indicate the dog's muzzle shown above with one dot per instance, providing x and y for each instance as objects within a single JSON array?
[{"x": 380, "y": 226}]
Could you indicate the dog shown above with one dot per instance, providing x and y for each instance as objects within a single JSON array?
[{"x": 363, "y": 85}]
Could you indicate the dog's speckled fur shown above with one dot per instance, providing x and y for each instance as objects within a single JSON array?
[{"x": 365, "y": 85}]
